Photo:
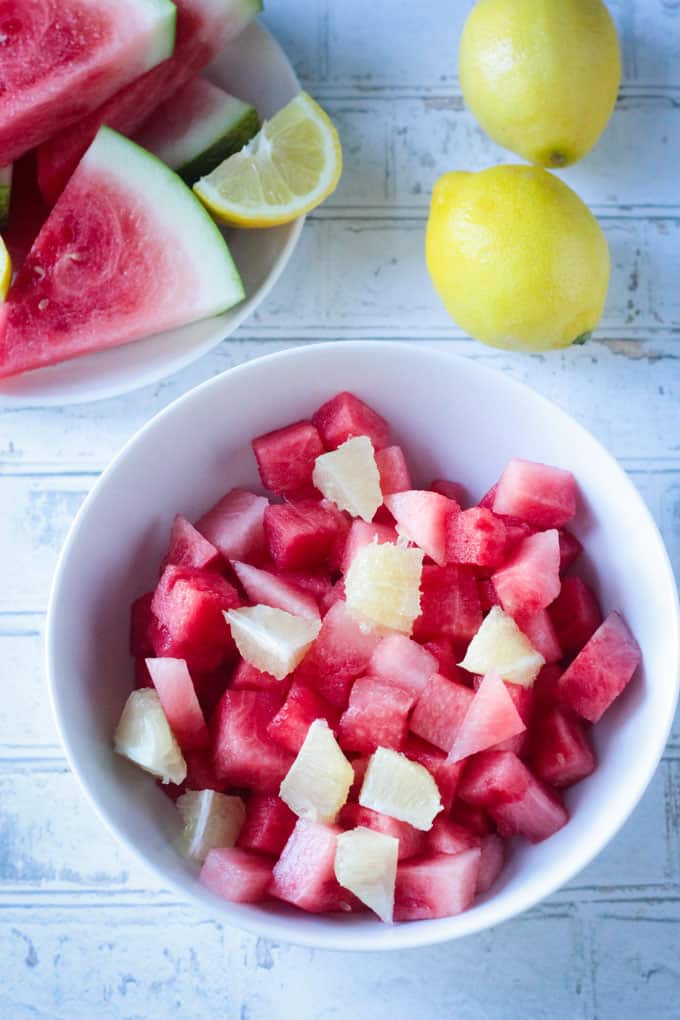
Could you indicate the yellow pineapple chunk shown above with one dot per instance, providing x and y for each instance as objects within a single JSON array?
[
  {"x": 404, "y": 789},
  {"x": 211, "y": 820},
  {"x": 143, "y": 735},
  {"x": 317, "y": 783},
  {"x": 349, "y": 477},
  {"x": 383, "y": 584},
  {"x": 272, "y": 640},
  {"x": 499, "y": 646},
  {"x": 366, "y": 865}
]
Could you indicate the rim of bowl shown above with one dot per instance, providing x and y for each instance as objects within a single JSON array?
[{"x": 376, "y": 938}]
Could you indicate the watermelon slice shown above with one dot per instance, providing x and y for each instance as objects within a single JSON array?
[
  {"x": 127, "y": 251},
  {"x": 203, "y": 29},
  {"x": 5, "y": 192},
  {"x": 197, "y": 127},
  {"x": 60, "y": 59},
  {"x": 235, "y": 525},
  {"x": 188, "y": 547},
  {"x": 178, "y": 700},
  {"x": 601, "y": 670}
]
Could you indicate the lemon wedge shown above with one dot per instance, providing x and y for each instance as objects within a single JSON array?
[
  {"x": 288, "y": 168},
  {"x": 5, "y": 270}
]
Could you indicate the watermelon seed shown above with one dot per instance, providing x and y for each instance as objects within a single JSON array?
[{"x": 42, "y": 305}]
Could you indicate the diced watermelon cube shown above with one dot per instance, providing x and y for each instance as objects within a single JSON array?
[
  {"x": 449, "y": 605},
  {"x": 546, "y": 686},
  {"x": 264, "y": 588},
  {"x": 177, "y": 696},
  {"x": 302, "y": 536},
  {"x": 235, "y": 525},
  {"x": 400, "y": 661},
  {"x": 530, "y": 580},
  {"x": 446, "y": 774},
  {"x": 393, "y": 470},
  {"x": 487, "y": 594},
  {"x": 538, "y": 814},
  {"x": 449, "y": 837},
  {"x": 489, "y": 497},
  {"x": 570, "y": 549},
  {"x": 339, "y": 655},
  {"x": 142, "y": 623},
  {"x": 236, "y": 875},
  {"x": 411, "y": 841},
  {"x": 543, "y": 496},
  {"x": 477, "y": 538},
  {"x": 491, "y": 861},
  {"x": 437, "y": 886},
  {"x": 189, "y": 604},
  {"x": 361, "y": 534},
  {"x": 286, "y": 457},
  {"x": 601, "y": 670},
  {"x": 317, "y": 584},
  {"x": 189, "y": 548},
  {"x": 376, "y": 716},
  {"x": 439, "y": 711},
  {"x": 523, "y": 700},
  {"x": 452, "y": 490},
  {"x": 302, "y": 706},
  {"x": 539, "y": 628},
  {"x": 268, "y": 825},
  {"x": 473, "y": 818},
  {"x": 515, "y": 531},
  {"x": 243, "y": 752},
  {"x": 444, "y": 653},
  {"x": 560, "y": 752},
  {"x": 423, "y": 517},
  {"x": 248, "y": 677},
  {"x": 575, "y": 614},
  {"x": 345, "y": 416},
  {"x": 491, "y": 717},
  {"x": 304, "y": 874}
]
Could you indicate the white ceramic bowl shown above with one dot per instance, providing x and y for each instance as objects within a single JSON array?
[
  {"x": 255, "y": 68},
  {"x": 456, "y": 420}
]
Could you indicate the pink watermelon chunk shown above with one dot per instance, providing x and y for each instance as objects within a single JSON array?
[
  {"x": 449, "y": 605},
  {"x": 601, "y": 670},
  {"x": 103, "y": 271},
  {"x": 235, "y": 525},
  {"x": 340, "y": 654},
  {"x": 491, "y": 861},
  {"x": 423, "y": 517},
  {"x": 560, "y": 752},
  {"x": 570, "y": 549},
  {"x": 317, "y": 584},
  {"x": 444, "y": 653},
  {"x": 449, "y": 837},
  {"x": 398, "y": 660},
  {"x": 188, "y": 547},
  {"x": 375, "y": 717},
  {"x": 268, "y": 825},
  {"x": 346, "y": 416},
  {"x": 439, "y": 712},
  {"x": 236, "y": 875},
  {"x": 393, "y": 470},
  {"x": 302, "y": 536},
  {"x": 523, "y": 700},
  {"x": 248, "y": 678},
  {"x": 539, "y": 628},
  {"x": 575, "y": 614},
  {"x": 473, "y": 818},
  {"x": 59, "y": 61},
  {"x": 304, "y": 874},
  {"x": 142, "y": 623},
  {"x": 476, "y": 537},
  {"x": 302, "y": 706},
  {"x": 203, "y": 28},
  {"x": 412, "y": 842},
  {"x": 530, "y": 580},
  {"x": 491, "y": 717},
  {"x": 263, "y": 588},
  {"x": 336, "y": 594},
  {"x": 177, "y": 696},
  {"x": 452, "y": 490},
  {"x": 488, "y": 498},
  {"x": 437, "y": 886},
  {"x": 543, "y": 496},
  {"x": 243, "y": 752},
  {"x": 446, "y": 774},
  {"x": 286, "y": 457},
  {"x": 361, "y": 534},
  {"x": 200, "y": 772},
  {"x": 487, "y": 594},
  {"x": 546, "y": 686}
]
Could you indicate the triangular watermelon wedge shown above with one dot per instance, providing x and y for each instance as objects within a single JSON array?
[
  {"x": 126, "y": 252},
  {"x": 491, "y": 718}
]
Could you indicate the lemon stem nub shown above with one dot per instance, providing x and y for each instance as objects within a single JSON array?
[{"x": 583, "y": 338}]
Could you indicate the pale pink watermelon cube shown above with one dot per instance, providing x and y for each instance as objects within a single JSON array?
[
  {"x": 449, "y": 605},
  {"x": 440, "y": 710},
  {"x": 376, "y": 716},
  {"x": 423, "y": 517},
  {"x": 400, "y": 661},
  {"x": 243, "y": 752},
  {"x": 530, "y": 580},
  {"x": 543, "y": 496},
  {"x": 575, "y": 614},
  {"x": 189, "y": 548},
  {"x": 476, "y": 538},
  {"x": 304, "y": 874},
  {"x": 360, "y": 534},
  {"x": 177, "y": 696},
  {"x": 437, "y": 886},
  {"x": 491, "y": 717},
  {"x": 286, "y": 457},
  {"x": 346, "y": 416},
  {"x": 601, "y": 670},
  {"x": 560, "y": 751},
  {"x": 237, "y": 875},
  {"x": 449, "y": 837},
  {"x": 265, "y": 588},
  {"x": 412, "y": 842},
  {"x": 491, "y": 861},
  {"x": 302, "y": 706},
  {"x": 235, "y": 525},
  {"x": 268, "y": 825},
  {"x": 540, "y": 630},
  {"x": 341, "y": 653},
  {"x": 393, "y": 470},
  {"x": 302, "y": 536}
]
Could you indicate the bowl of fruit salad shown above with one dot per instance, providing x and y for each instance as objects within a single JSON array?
[{"x": 362, "y": 633}]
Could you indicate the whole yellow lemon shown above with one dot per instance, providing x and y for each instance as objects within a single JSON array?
[
  {"x": 517, "y": 258},
  {"x": 541, "y": 76}
]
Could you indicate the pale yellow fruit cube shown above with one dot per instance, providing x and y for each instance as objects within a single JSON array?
[
  {"x": 272, "y": 640},
  {"x": 211, "y": 820},
  {"x": 349, "y": 477},
  {"x": 317, "y": 783},
  {"x": 143, "y": 735},
  {"x": 499, "y": 646},
  {"x": 383, "y": 584},
  {"x": 404, "y": 789},
  {"x": 366, "y": 865}
]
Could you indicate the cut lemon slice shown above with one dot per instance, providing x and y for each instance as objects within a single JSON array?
[
  {"x": 5, "y": 270},
  {"x": 288, "y": 168}
]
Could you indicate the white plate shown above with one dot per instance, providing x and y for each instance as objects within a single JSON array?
[{"x": 255, "y": 68}]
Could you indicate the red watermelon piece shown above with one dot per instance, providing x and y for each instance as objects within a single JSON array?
[
  {"x": 473, "y": 818},
  {"x": 539, "y": 628},
  {"x": 210, "y": 687},
  {"x": 303, "y": 536},
  {"x": 488, "y": 498},
  {"x": 27, "y": 211},
  {"x": 439, "y": 711},
  {"x": 302, "y": 706},
  {"x": 546, "y": 686},
  {"x": 247, "y": 677},
  {"x": 491, "y": 861},
  {"x": 317, "y": 584},
  {"x": 341, "y": 653},
  {"x": 449, "y": 837},
  {"x": 446, "y": 774},
  {"x": 601, "y": 670},
  {"x": 449, "y": 605},
  {"x": 346, "y": 416},
  {"x": 570, "y": 549},
  {"x": 264, "y": 588},
  {"x": 188, "y": 547},
  {"x": 235, "y": 525},
  {"x": 200, "y": 772},
  {"x": 560, "y": 751},
  {"x": 304, "y": 874},
  {"x": 487, "y": 594},
  {"x": 177, "y": 696},
  {"x": 243, "y": 752},
  {"x": 376, "y": 716},
  {"x": 543, "y": 496},
  {"x": 530, "y": 580},
  {"x": 400, "y": 661},
  {"x": 575, "y": 614},
  {"x": 423, "y": 517},
  {"x": 393, "y": 470},
  {"x": 268, "y": 825},
  {"x": 286, "y": 457},
  {"x": 236, "y": 875},
  {"x": 523, "y": 700},
  {"x": 477, "y": 538},
  {"x": 411, "y": 841},
  {"x": 491, "y": 717},
  {"x": 142, "y": 626},
  {"x": 142, "y": 675},
  {"x": 438, "y": 886},
  {"x": 444, "y": 653},
  {"x": 452, "y": 490},
  {"x": 361, "y": 534}
]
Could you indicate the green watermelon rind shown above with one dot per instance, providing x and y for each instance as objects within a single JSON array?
[
  {"x": 173, "y": 202},
  {"x": 235, "y": 135},
  {"x": 165, "y": 31},
  {"x": 5, "y": 192}
]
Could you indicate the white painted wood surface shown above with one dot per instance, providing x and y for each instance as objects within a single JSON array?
[{"x": 85, "y": 931}]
